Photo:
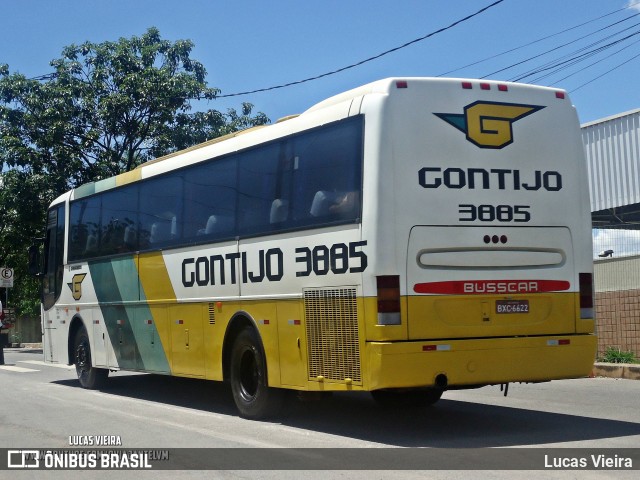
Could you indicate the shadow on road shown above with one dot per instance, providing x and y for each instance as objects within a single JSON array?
[{"x": 448, "y": 424}]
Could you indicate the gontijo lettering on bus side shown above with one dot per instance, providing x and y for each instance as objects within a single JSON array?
[{"x": 232, "y": 268}]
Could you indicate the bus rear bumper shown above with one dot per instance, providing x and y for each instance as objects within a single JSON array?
[{"x": 478, "y": 361}]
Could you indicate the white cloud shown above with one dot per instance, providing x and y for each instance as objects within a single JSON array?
[
  {"x": 622, "y": 242},
  {"x": 634, "y": 5}
]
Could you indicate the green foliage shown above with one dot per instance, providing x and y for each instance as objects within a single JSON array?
[
  {"x": 23, "y": 200},
  {"x": 615, "y": 355},
  {"x": 105, "y": 109}
]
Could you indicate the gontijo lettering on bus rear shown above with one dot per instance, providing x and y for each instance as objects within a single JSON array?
[{"x": 486, "y": 179}]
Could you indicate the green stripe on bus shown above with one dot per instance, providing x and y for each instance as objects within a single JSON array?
[
  {"x": 106, "y": 184},
  {"x": 84, "y": 190},
  {"x": 135, "y": 340}
]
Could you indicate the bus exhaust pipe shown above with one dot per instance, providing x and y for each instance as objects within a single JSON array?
[{"x": 442, "y": 381}]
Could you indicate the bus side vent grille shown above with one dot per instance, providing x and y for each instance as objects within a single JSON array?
[
  {"x": 212, "y": 314},
  {"x": 332, "y": 334}
]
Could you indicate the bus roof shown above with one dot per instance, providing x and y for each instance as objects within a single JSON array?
[{"x": 331, "y": 109}]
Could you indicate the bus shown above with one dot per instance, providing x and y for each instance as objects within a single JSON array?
[{"x": 407, "y": 237}]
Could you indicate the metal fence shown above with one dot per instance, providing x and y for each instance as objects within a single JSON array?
[
  {"x": 616, "y": 253},
  {"x": 615, "y": 241}
]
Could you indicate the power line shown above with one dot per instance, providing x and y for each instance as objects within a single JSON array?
[
  {"x": 595, "y": 63},
  {"x": 605, "y": 73},
  {"x": 580, "y": 58},
  {"x": 561, "y": 64},
  {"x": 375, "y": 57},
  {"x": 562, "y": 46},
  {"x": 541, "y": 39}
]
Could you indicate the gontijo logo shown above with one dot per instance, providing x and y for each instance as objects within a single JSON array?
[
  {"x": 489, "y": 124},
  {"x": 76, "y": 285}
]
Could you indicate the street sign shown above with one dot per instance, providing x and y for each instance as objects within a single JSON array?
[{"x": 6, "y": 277}]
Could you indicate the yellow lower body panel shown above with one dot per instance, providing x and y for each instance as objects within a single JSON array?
[{"x": 478, "y": 361}]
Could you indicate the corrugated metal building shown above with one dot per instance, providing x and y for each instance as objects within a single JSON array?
[{"x": 612, "y": 147}]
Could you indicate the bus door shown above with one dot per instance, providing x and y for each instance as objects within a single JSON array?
[{"x": 53, "y": 280}]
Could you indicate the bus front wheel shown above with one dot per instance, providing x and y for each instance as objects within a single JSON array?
[
  {"x": 88, "y": 376},
  {"x": 253, "y": 398}
]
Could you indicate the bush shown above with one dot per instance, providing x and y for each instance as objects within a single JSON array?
[{"x": 615, "y": 355}]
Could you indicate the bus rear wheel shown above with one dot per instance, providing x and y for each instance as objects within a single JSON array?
[
  {"x": 88, "y": 376},
  {"x": 253, "y": 398},
  {"x": 407, "y": 398}
]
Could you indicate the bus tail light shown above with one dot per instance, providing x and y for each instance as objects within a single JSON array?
[
  {"x": 388, "y": 299},
  {"x": 586, "y": 295}
]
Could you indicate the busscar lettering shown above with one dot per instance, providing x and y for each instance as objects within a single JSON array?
[
  {"x": 228, "y": 269},
  {"x": 500, "y": 287}
]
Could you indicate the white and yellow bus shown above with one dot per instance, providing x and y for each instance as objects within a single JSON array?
[{"x": 406, "y": 237}]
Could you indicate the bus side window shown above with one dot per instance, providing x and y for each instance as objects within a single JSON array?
[
  {"x": 84, "y": 226},
  {"x": 210, "y": 200},
  {"x": 259, "y": 177},
  {"x": 327, "y": 181},
  {"x": 119, "y": 211},
  {"x": 161, "y": 211}
]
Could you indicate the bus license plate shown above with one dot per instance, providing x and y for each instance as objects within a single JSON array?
[{"x": 512, "y": 306}]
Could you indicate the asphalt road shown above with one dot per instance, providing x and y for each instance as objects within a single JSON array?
[{"x": 43, "y": 406}]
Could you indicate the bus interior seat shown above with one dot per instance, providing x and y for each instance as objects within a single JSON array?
[
  {"x": 130, "y": 237},
  {"x": 279, "y": 211},
  {"x": 92, "y": 244},
  {"x": 322, "y": 200},
  {"x": 218, "y": 224},
  {"x": 162, "y": 231}
]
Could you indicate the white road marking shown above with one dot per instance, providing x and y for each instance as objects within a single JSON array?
[
  {"x": 45, "y": 364},
  {"x": 12, "y": 368}
]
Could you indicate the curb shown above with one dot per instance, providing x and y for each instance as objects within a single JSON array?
[{"x": 627, "y": 371}]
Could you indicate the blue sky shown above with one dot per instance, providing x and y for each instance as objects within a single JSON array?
[{"x": 250, "y": 44}]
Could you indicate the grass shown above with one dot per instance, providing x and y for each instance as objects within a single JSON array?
[{"x": 615, "y": 355}]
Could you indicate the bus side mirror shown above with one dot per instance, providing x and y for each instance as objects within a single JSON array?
[{"x": 34, "y": 261}]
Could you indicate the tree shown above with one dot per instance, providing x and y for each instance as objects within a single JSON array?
[
  {"x": 23, "y": 201},
  {"x": 106, "y": 108}
]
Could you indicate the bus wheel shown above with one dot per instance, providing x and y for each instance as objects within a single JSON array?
[
  {"x": 407, "y": 398},
  {"x": 89, "y": 377},
  {"x": 251, "y": 394}
]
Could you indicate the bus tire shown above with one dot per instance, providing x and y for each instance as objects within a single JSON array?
[
  {"x": 89, "y": 377},
  {"x": 253, "y": 397},
  {"x": 407, "y": 398}
]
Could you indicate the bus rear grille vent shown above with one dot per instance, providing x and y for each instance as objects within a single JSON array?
[
  {"x": 332, "y": 334},
  {"x": 212, "y": 314}
]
